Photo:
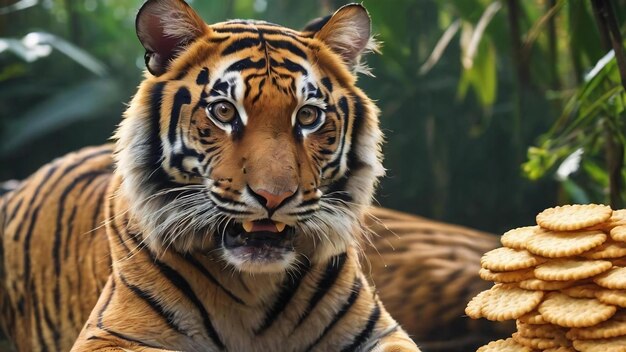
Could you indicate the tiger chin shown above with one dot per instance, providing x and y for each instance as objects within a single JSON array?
[{"x": 241, "y": 169}]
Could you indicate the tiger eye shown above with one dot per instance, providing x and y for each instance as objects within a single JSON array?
[
  {"x": 223, "y": 111},
  {"x": 307, "y": 116}
]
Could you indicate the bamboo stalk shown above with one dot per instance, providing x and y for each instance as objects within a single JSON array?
[
  {"x": 614, "y": 148},
  {"x": 516, "y": 43}
]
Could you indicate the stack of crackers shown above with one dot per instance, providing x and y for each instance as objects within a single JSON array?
[{"x": 564, "y": 281}]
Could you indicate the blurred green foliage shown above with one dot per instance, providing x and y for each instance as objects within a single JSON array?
[{"x": 465, "y": 87}]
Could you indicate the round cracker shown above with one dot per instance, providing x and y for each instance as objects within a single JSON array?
[
  {"x": 614, "y": 279},
  {"x": 533, "y": 317},
  {"x": 618, "y": 233},
  {"x": 508, "y": 345},
  {"x": 607, "y": 250},
  {"x": 614, "y": 297},
  {"x": 518, "y": 237},
  {"x": 553, "y": 244},
  {"x": 616, "y": 326},
  {"x": 544, "y": 331},
  {"x": 475, "y": 305},
  {"x": 508, "y": 259},
  {"x": 571, "y": 269},
  {"x": 507, "y": 301},
  {"x": 573, "y": 217},
  {"x": 566, "y": 311},
  {"x": 582, "y": 291},
  {"x": 618, "y": 218},
  {"x": 542, "y": 285},
  {"x": 614, "y": 344},
  {"x": 534, "y": 342},
  {"x": 506, "y": 276}
]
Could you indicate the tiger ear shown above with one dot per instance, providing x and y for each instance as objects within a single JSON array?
[
  {"x": 164, "y": 28},
  {"x": 347, "y": 32}
]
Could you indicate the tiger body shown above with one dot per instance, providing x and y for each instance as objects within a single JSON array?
[
  {"x": 228, "y": 214},
  {"x": 242, "y": 168},
  {"x": 55, "y": 250}
]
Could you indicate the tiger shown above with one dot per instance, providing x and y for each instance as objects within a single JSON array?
[
  {"x": 233, "y": 209},
  {"x": 241, "y": 169}
]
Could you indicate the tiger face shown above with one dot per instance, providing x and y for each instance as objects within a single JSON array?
[{"x": 248, "y": 140}]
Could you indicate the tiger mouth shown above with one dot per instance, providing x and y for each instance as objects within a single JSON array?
[{"x": 259, "y": 237}]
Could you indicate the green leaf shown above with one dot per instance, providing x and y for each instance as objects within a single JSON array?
[{"x": 69, "y": 106}]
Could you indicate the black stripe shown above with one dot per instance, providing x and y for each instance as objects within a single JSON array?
[
  {"x": 345, "y": 110},
  {"x": 365, "y": 334},
  {"x": 211, "y": 278},
  {"x": 47, "y": 178},
  {"x": 203, "y": 77},
  {"x": 287, "y": 45},
  {"x": 99, "y": 203},
  {"x": 335, "y": 264},
  {"x": 35, "y": 304},
  {"x": 101, "y": 326},
  {"x": 158, "y": 308},
  {"x": 181, "y": 98},
  {"x": 356, "y": 290},
  {"x": 183, "y": 286},
  {"x": 266, "y": 32},
  {"x": 14, "y": 211},
  {"x": 245, "y": 64},
  {"x": 291, "y": 67},
  {"x": 290, "y": 286},
  {"x": 154, "y": 151},
  {"x": 357, "y": 126},
  {"x": 241, "y": 44}
]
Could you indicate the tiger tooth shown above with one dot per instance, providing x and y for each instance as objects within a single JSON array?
[
  {"x": 280, "y": 226},
  {"x": 247, "y": 226}
]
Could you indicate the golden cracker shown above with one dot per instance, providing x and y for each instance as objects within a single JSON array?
[
  {"x": 616, "y": 326},
  {"x": 533, "y": 317},
  {"x": 534, "y": 342},
  {"x": 508, "y": 345},
  {"x": 614, "y": 344},
  {"x": 554, "y": 244},
  {"x": 570, "y": 269},
  {"x": 618, "y": 233},
  {"x": 506, "y": 276},
  {"x": 607, "y": 250},
  {"x": 614, "y": 279},
  {"x": 542, "y": 285},
  {"x": 614, "y": 297},
  {"x": 573, "y": 217},
  {"x": 508, "y": 259},
  {"x": 518, "y": 237},
  {"x": 566, "y": 311},
  {"x": 475, "y": 305},
  {"x": 507, "y": 301},
  {"x": 582, "y": 291},
  {"x": 545, "y": 331}
]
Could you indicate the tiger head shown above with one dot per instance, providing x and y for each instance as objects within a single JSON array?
[{"x": 250, "y": 140}]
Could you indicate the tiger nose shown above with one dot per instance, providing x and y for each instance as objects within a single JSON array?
[{"x": 270, "y": 200}]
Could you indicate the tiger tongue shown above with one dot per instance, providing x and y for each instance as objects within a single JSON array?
[{"x": 263, "y": 225}]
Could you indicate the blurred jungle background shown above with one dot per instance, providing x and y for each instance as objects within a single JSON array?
[{"x": 493, "y": 110}]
